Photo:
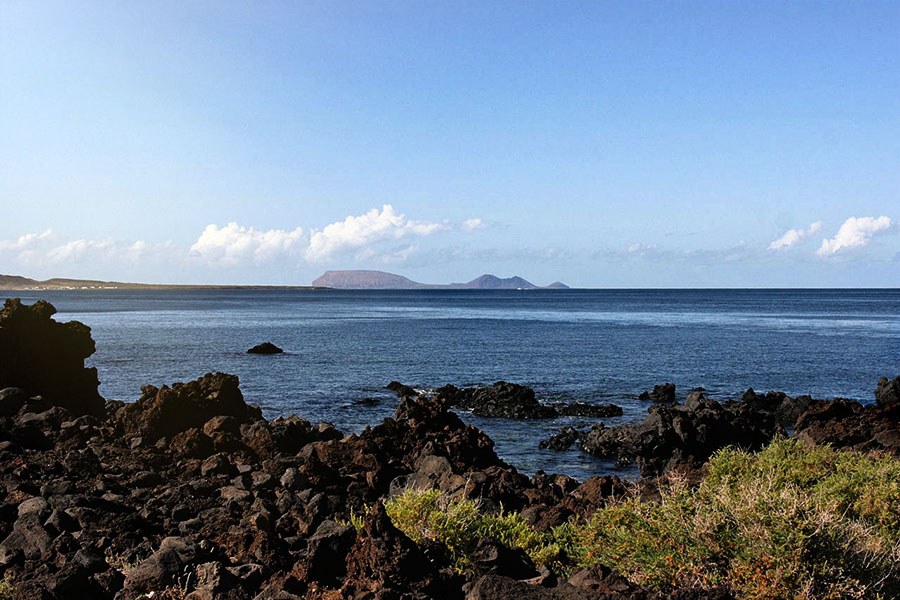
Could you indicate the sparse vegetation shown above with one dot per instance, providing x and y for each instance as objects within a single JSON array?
[
  {"x": 789, "y": 522},
  {"x": 355, "y": 519},
  {"x": 121, "y": 563},
  {"x": 6, "y": 589},
  {"x": 458, "y": 525}
]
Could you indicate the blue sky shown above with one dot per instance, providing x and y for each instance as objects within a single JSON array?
[{"x": 627, "y": 144}]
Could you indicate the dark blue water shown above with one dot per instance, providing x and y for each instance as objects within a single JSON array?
[{"x": 589, "y": 345}]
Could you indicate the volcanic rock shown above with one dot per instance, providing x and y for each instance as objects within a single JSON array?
[
  {"x": 383, "y": 563},
  {"x": 888, "y": 392},
  {"x": 561, "y": 440},
  {"x": 673, "y": 435},
  {"x": 46, "y": 358},
  {"x": 664, "y": 393},
  {"x": 166, "y": 411},
  {"x": 502, "y": 399},
  {"x": 844, "y": 423},
  {"x": 400, "y": 389},
  {"x": 265, "y": 348}
]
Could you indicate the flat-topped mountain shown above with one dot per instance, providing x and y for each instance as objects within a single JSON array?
[{"x": 380, "y": 280}]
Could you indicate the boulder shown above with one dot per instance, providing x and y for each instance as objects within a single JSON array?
[
  {"x": 664, "y": 393},
  {"x": 888, "y": 392},
  {"x": 46, "y": 358},
  {"x": 162, "y": 412},
  {"x": 383, "y": 563}
]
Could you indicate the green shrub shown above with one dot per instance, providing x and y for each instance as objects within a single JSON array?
[
  {"x": 458, "y": 525},
  {"x": 789, "y": 522}
]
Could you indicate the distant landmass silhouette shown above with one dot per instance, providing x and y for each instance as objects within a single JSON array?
[
  {"x": 380, "y": 280},
  {"x": 17, "y": 282}
]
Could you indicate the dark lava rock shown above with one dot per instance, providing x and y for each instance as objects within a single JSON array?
[
  {"x": 400, "y": 389},
  {"x": 675, "y": 435},
  {"x": 888, "y": 391},
  {"x": 383, "y": 563},
  {"x": 664, "y": 393},
  {"x": 492, "y": 556},
  {"x": 844, "y": 423},
  {"x": 783, "y": 408},
  {"x": 265, "y": 348},
  {"x": 561, "y": 440},
  {"x": 583, "y": 409},
  {"x": 166, "y": 411},
  {"x": 502, "y": 399},
  {"x": 46, "y": 358}
]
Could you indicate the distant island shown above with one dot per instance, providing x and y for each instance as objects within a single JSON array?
[
  {"x": 342, "y": 280},
  {"x": 380, "y": 280},
  {"x": 17, "y": 282}
]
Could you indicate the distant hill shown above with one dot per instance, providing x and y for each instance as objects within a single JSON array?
[
  {"x": 16, "y": 282},
  {"x": 380, "y": 280}
]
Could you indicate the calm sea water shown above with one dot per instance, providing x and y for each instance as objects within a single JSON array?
[{"x": 588, "y": 345}]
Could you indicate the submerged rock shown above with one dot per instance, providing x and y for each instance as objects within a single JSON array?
[
  {"x": 265, "y": 348},
  {"x": 561, "y": 440},
  {"x": 583, "y": 409}
]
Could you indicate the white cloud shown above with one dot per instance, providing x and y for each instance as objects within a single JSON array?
[
  {"x": 234, "y": 244},
  {"x": 364, "y": 230},
  {"x": 855, "y": 232},
  {"x": 793, "y": 236},
  {"x": 363, "y": 238},
  {"x": 46, "y": 249}
]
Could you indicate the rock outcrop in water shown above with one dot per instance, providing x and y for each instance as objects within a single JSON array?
[
  {"x": 679, "y": 435},
  {"x": 265, "y": 348},
  {"x": 664, "y": 394},
  {"x": 510, "y": 400},
  {"x": 502, "y": 399}
]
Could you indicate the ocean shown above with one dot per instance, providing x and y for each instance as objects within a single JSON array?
[{"x": 588, "y": 345}]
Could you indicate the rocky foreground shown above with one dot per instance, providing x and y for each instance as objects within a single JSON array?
[{"x": 190, "y": 493}]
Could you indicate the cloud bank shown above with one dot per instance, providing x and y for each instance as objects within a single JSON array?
[
  {"x": 793, "y": 236},
  {"x": 854, "y": 233},
  {"x": 364, "y": 237}
]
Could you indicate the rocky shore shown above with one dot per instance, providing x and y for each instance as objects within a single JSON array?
[{"x": 190, "y": 493}]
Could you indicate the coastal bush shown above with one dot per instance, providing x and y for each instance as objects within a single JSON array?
[
  {"x": 791, "y": 521},
  {"x": 458, "y": 525}
]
